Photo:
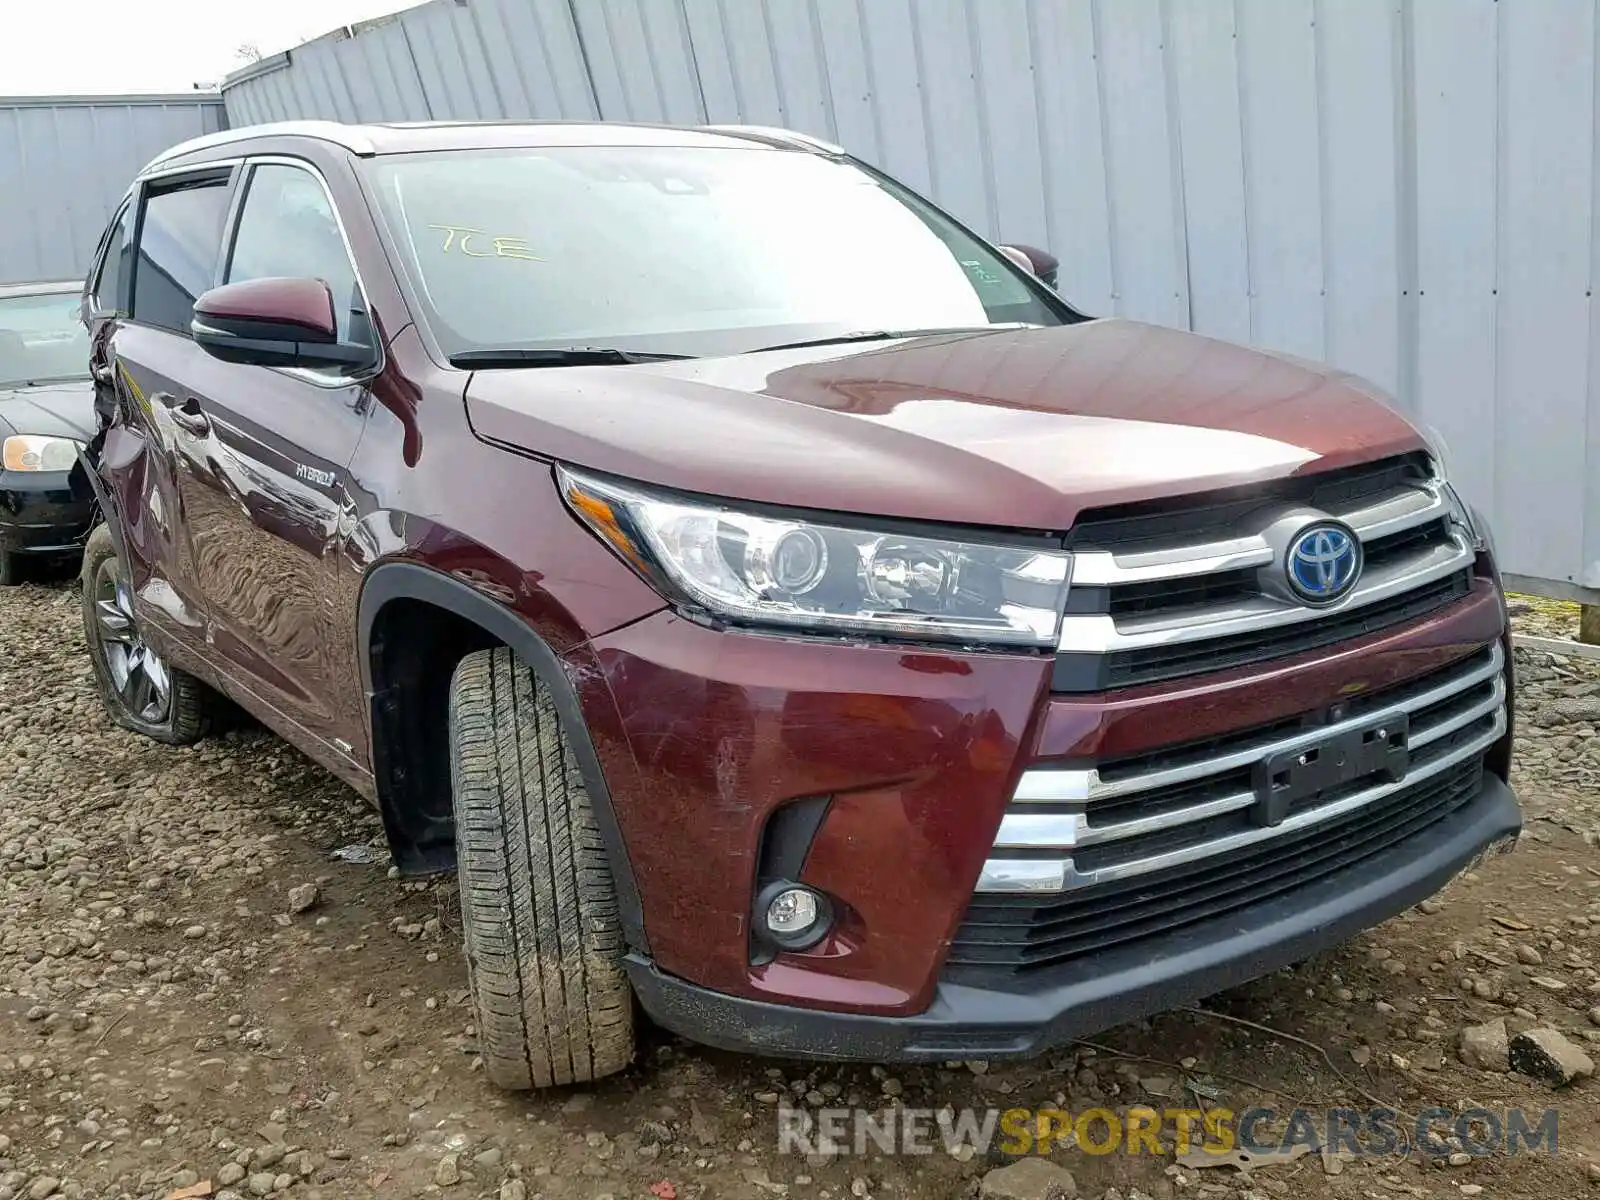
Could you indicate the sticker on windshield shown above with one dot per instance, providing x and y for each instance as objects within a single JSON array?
[{"x": 503, "y": 247}]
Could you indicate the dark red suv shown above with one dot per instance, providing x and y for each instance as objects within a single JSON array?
[{"x": 776, "y": 604}]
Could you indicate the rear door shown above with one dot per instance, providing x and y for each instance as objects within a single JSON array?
[
  {"x": 164, "y": 254},
  {"x": 262, "y": 455}
]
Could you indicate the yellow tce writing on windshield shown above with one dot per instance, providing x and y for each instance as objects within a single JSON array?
[{"x": 460, "y": 237}]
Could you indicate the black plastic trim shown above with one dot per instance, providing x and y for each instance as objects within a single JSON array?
[
  {"x": 88, "y": 468},
  {"x": 968, "y": 1019},
  {"x": 786, "y": 839},
  {"x": 781, "y": 857},
  {"x": 396, "y": 581}
]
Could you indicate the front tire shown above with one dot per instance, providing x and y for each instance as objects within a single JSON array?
[
  {"x": 139, "y": 690},
  {"x": 539, "y": 910}
]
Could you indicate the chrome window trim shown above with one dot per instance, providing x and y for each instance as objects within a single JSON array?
[{"x": 306, "y": 374}]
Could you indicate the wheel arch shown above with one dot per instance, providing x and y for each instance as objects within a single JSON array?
[{"x": 395, "y": 756}]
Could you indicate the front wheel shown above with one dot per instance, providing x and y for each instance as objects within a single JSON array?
[
  {"x": 140, "y": 691},
  {"x": 538, "y": 908}
]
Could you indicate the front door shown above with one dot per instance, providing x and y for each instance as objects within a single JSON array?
[{"x": 263, "y": 456}]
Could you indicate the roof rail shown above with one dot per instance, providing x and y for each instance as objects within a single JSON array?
[
  {"x": 352, "y": 137},
  {"x": 773, "y": 136}
]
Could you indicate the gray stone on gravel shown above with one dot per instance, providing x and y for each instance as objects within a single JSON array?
[
  {"x": 1487, "y": 1046},
  {"x": 448, "y": 1172},
  {"x": 42, "y": 1187},
  {"x": 1547, "y": 1054},
  {"x": 1031, "y": 1178},
  {"x": 303, "y": 897},
  {"x": 1574, "y": 710},
  {"x": 268, "y": 1156},
  {"x": 261, "y": 1183},
  {"x": 229, "y": 1174}
]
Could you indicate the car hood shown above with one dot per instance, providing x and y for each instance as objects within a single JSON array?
[
  {"x": 51, "y": 409},
  {"x": 1022, "y": 428}
]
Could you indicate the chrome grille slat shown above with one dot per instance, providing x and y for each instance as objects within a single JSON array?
[
  {"x": 1464, "y": 702},
  {"x": 1052, "y": 785},
  {"x": 1405, "y": 508},
  {"x": 1035, "y": 876},
  {"x": 1100, "y": 633},
  {"x": 1068, "y": 831},
  {"x": 1148, "y": 605}
]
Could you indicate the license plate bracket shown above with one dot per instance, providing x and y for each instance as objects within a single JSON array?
[{"x": 1380, "y": 749}]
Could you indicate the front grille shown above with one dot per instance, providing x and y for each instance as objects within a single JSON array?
[
  {"x": 1021, "y": 933},
  {"x": 1169, "y": 591},
  {"x": 1070, "y": 829},
  {"x": 1204, "y": 518},
  {"x": 1086, "y": 672}
]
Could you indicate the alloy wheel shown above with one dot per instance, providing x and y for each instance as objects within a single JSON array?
[{"x": 136, "y": 671}]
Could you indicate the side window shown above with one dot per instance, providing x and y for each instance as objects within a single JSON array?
[
  {"x": 179, "y": 240},
  {"x": 287, "y": 228},
  {"x": 113, "y": 267}
]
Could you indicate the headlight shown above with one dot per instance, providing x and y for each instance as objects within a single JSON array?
[
  {"x": 29, "y": 452},
  {"x": 1470, "y": 518},
  {"x": 803, "y": 574}
]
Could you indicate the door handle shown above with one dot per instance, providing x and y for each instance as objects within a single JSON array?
[{"x": 187, "y": 414}]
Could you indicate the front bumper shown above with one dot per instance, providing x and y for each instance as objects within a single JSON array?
[
  {"x": 705, "y": 738},
  {"x": 41, "y": 512},
  {"x": 967, "y": 1020}
]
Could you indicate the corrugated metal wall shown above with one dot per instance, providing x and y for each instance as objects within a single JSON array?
[
  {"x": 65, "y": 161},
  {"x": 1404, "y": 187}
]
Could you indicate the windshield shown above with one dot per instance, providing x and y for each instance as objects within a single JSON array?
[
  {"x": 680, "y": 250},
  {"x": 42, "y": 339}
]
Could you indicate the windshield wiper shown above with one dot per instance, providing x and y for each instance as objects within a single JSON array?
[
  {"x": 884, "y": 335},
  {"x": 556, "y": 356}
]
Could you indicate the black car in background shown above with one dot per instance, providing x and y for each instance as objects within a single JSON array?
[{"x": 46, "y": 413}]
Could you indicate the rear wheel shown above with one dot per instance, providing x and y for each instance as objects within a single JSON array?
[
  {"x": 140, "y": 691},
  {"x": 539, "y": 911}
]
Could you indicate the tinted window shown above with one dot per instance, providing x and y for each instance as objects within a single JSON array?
[
  {"x": 114, "y": 266},
  {"x": 42, "y": 338},
  {"x": 287, "y": 228},
  {"x": 178, "y": 246},
  {"x": 680, "y": 249}
]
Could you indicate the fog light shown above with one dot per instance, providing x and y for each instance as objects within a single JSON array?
[
  {"x": 791, "y": 916},
  {"x": 792, "y": 911}
]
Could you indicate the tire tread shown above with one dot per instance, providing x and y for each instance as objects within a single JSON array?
[{"x": 539, "y": 911}]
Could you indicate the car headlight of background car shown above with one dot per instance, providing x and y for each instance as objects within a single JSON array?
[
  {"x": 32, "y": 452},
  {"x": 801, "y": 573}
]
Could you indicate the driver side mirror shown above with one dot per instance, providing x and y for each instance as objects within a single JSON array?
[{"x": 274, "y": 323}]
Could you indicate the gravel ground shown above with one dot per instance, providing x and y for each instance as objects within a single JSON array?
[
  {"x": 1545, "y": 618},
  {"x": 197, "y": 1000}
]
